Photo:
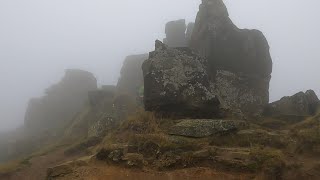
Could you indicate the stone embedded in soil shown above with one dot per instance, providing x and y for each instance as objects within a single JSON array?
[
  {"x": 206, "y": 127},
  {"x": 59, "y": 171}
]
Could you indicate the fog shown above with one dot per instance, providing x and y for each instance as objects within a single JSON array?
[{"x": 41, "y": 38}]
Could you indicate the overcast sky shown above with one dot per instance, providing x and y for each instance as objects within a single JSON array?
[{"x": 41, "y": 38}]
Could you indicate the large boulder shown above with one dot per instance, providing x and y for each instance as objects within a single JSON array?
[
  {"x": 226, "y": 46},
  {"x": 61, "y": 103},
  {"x": 131, "y": 78},
  {"x": 300, "y": 104},
  {"x": 177, "y": 83}
]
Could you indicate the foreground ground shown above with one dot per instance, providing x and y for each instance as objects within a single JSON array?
[{"x": 143, "y": 148}]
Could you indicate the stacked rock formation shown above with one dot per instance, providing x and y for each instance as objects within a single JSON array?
[
  {"x": 230, "y": 65},
  {"x": 178, "y": 34},
  {"x": 131, "y": 78},
  {"x": 227, "y": 47},
  {"x": 61, "y": 102}
]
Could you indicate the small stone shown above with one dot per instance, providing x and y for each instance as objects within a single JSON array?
[
  {"x": 133, "y": 159},
  {"x": 59, "y": 171}
]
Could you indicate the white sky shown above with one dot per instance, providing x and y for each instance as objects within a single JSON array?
[{"x": 41, "y": 38}]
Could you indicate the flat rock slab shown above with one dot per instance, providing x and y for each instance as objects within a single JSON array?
[{"x": 199, "y": 128}]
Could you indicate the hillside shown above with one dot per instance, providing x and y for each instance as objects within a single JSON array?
[{"x": 197, "y": 107}]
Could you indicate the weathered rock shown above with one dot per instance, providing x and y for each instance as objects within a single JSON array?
[
  {"x": 300, "y": 104},
  {"x": 131, "y": 78},
  {"x": 177, "y": 83},
  {"x": 206, "y": 127},
  {"x": 226, "y": 46},
  {"x": 241, "y": 95},
  {"x": 176, "y": 33},
  {"x": 61, "y": 102}
]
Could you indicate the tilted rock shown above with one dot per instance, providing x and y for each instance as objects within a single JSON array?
[
  {"x": 131, "y": 78},
  {"x": 176, "y": 33},
  {"x": 61, "y": 102},
  {"x": 206, "y": 127},
  {"x": 177, "y": 83},
  {"x": 226, "y": 46},
  {"x": 300, "y": 104}
]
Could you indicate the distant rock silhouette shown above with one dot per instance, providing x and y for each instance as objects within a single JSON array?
[
  {"x": 226, "y": 46},
  {"x": 131, "y": 78},
  {"x": 61, "y": 102},
  {"x": 300, "y": 104},
  {"x": 176, "y": 33}
]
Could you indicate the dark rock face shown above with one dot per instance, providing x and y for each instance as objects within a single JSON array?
[
  {"x": 61, "y": 102},
  {"x": 227, "y": 47},
  {"x": 300, "y": 104},
  {"x": 189, "y": 32},
  {"x": 176, "y": 33},
  {"x": 176, "y": 82},
  {"x": 206, "y": 127},
  {"x": 131, "y": 78}
]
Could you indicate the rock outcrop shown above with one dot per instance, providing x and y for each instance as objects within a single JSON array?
[
  {"x": 227, "y": 47},
  {"x": 300, "y": 104},
  {"x": 131, "y": 78},
  {"x": 234, "y": 65},
  {"x": 61, "y": 102},
  {"x": 176, "y": 82}
]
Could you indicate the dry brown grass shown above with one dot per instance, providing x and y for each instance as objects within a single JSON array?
[
  {"x": 268, "y": 160},
  {"x": 142, "y": 122},
  {"x": 13, "y": 166},
  {"x": 307, "y": 134}
]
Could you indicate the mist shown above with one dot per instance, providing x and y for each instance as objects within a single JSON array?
[{"x": 40, "y": 39}]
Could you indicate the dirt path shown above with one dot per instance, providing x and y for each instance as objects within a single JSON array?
[
  {"x": 39, "y": 165},
  {"x": 106, "y": 172}
]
